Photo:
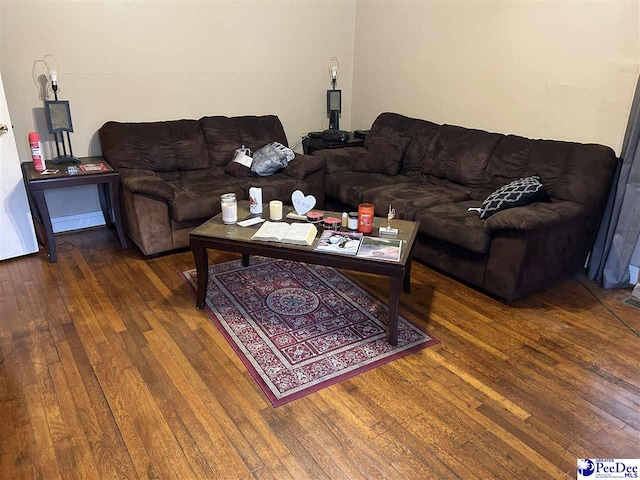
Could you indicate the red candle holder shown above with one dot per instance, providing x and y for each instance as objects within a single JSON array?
[{"x": 365, "y": 217}]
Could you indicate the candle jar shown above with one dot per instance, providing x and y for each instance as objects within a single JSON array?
[
  {"x": 365, "y": 217},
  {"x": 353, "y": 221},
  {"x": 229, "y": 207},
  {"x": 332, "y": 223}
]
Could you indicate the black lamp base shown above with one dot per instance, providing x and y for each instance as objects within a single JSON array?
[{"x": 65, "y": 159}]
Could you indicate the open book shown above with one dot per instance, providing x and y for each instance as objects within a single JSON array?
[{"x": 295, "y": 233}]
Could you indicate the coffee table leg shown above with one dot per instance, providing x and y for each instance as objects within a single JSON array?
[
  {"x": 395, "y": 287},
  {"x": 407, "y": 277},
  {"x": 202, "y": 270},
  {"x": 245, "y": 259}
]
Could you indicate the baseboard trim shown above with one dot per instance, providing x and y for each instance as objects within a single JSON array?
[
  {"x": 633, "y": 273},
  {"x": 77, "y": 222}
]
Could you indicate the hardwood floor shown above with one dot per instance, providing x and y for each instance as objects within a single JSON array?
[{"x": 109, "y": 371}]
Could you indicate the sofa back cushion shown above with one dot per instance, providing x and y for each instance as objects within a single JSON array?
[
  {"x": 569, "y": 171},
  {"x": 460, "y": 155},
  {"x": 421, "y": 133},
  {"x": 156, "y": 146},
  {"x": 224, "y": 134}
]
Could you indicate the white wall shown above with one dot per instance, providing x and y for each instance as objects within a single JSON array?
[
  {"x": 564, "y": 70},
  {"x": 151, "y": 60}
]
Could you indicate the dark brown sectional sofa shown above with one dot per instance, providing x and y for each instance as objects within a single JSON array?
[
  {"x": 444, "y": 169},
  {"x": 173, "y": 173}
]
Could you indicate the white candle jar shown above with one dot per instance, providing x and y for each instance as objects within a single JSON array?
[{"x": 229, "y": 207}]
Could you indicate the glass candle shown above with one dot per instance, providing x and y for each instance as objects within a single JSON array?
[
  {"x": 229, "y": 207},
  {"x": 365, "y": 217},
  {"x": 275, "y": 210},
  {"x": 353, "y": 221}
]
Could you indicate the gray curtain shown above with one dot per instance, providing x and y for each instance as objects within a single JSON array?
[{"x": 620, "y": 229}]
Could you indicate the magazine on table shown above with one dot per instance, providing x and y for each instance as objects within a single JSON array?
[
  {"x": 333, "y": 241},
  {"x": 380, "y": 248},
  {"x": 93, "y": 167}
]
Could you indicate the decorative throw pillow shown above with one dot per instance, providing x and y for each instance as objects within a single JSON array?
[
  {"x": 237, "y": 169},
  {"x": 518, "y": 193},
  {"x": 384, "y": 155}
]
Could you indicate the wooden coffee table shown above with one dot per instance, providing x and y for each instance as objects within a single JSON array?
[{"x": 233, "y": 238}]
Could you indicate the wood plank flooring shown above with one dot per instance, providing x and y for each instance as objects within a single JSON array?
[{"x": 109, "y": 371}]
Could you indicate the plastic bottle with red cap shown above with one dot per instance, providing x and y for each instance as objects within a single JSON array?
[{"x": 36, "y": 151}]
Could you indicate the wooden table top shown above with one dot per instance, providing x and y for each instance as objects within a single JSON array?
[{"x": 33, "y": 175}]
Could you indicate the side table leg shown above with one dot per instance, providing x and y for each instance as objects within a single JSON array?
[
  {"x": 41, "y": 203},
  {"x": 245, "y": 259},
  {"x": 104, "y": 203},
  {"x": 395, "y": 287},
  {"x": 114, "y": 196},
  {"x": 202, "y": 270}
]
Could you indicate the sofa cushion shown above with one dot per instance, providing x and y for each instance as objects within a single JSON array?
[
  {"x": 236, "y": 169},
  {"x": 510, "y": 160},
  {"x": 224, "y": 134},
  {"x": 199, "y": 198},
  {"x": 155, "y": 146},
  {"x": 340, "y": 159},
  {"x": 384, "y": 154},
  {"x": 518, "y": 193},
  {"x": 420, "y": 131},
  {"x": 452, "y": 223},
  {"x": 410, "y": 198},
  {"x": 460, "y": 155},
  {"x": 348, "y": 187}
]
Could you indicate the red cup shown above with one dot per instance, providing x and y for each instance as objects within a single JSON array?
[{"x": 365, "y": 217}]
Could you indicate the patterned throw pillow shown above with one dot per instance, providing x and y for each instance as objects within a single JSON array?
[{"x": 518, "y": 193}]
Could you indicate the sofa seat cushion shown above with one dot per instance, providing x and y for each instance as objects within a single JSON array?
[
  {"x": 409, "y": 199},
  {"x": 199, "y": 198},
  {"x": 452, "y": 223},
  {"x": 348, "y": 187}
]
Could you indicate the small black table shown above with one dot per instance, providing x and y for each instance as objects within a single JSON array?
[
  {"x": 310, "y": 145},
  {"x": 107, "y": 180}
]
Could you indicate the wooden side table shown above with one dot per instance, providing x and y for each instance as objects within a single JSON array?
[{"x": 107, "y": 180}]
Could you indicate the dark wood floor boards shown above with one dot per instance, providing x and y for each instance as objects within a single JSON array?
[{"x": 108, "y": 371}]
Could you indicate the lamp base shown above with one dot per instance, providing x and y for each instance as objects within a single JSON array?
[{"x": 65, "y": 159}]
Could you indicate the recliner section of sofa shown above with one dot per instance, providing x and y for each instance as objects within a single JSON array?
[
  {"x": 173, "y": 173},
  {"x": 447, "y": 169}
]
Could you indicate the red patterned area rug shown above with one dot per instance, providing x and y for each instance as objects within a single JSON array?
[{"x": 298, "y": 327}]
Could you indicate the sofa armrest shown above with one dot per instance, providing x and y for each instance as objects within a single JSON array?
[
  {"x": 303, "y": 165},
  {"x": 535, "y": 216},
  {"x": 147, "y": 182}
]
